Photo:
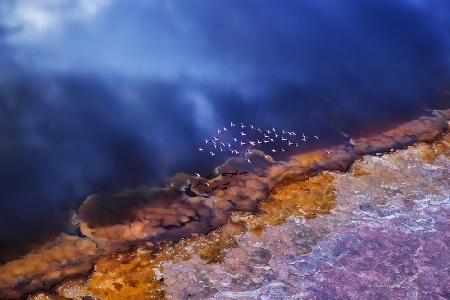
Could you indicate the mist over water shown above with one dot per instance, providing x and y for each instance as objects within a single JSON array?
[{"x": 110, "y": 95}]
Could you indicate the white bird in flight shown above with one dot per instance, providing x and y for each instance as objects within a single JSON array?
[{"x": 266, "y": 135}]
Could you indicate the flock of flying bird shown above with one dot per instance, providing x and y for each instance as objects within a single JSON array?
[{"x": 238, "y": 139}]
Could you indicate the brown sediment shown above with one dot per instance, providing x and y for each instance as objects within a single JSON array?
[
  {"x": 441, "y": 147},
  {"x": 135, "y": 274},
  {"x": 63, "y": 257},
  {"x": 424, "y": 129},
  {"x": 212, "y": 248},
  {"x": 276, "y": 190},
  {"x": 306, "y": 198},
  {"x": 163, "y": 214},
  {"x": 358, "y": 171},
  {"x": 301, "y": 198}
]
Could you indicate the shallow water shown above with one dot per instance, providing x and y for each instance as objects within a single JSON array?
[{"x": 85, "y": 110}]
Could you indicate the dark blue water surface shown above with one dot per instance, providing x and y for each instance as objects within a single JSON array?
[{"x": 111, "y": 95}]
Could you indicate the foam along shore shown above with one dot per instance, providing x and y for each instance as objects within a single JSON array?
[{"x": 115, "y": 222}]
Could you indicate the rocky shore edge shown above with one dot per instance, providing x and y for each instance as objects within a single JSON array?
[{"x": 187, "y": 205}]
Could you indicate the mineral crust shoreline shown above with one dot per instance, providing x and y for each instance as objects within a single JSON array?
[{"x": 112, "y": 223}]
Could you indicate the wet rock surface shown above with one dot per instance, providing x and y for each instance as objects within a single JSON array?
[{"x": 324, "y": 224}]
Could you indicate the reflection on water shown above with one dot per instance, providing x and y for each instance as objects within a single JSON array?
[{"x": 130, "y": 108}]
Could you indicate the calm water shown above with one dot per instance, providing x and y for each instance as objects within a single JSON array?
[{"x": 102, "y": 97}]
